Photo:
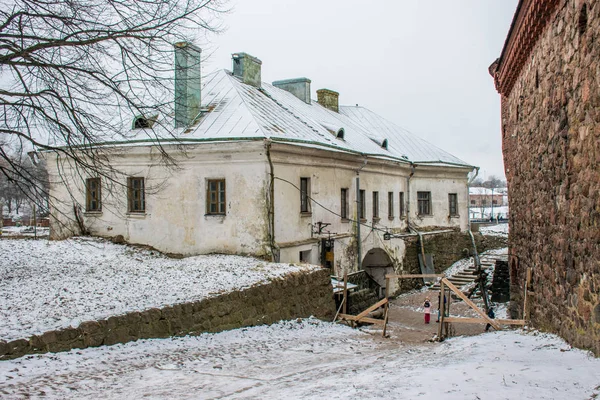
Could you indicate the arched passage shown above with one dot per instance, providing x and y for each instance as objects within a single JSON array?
[{"x": 377, "y": 264}]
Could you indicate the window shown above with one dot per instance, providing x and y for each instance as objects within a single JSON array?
[
  {"x": 472, "y": 202},
  {"x": 391, "y": 205},
  {"x": 401, "y": 201},
  {"x": 424, "y": 203},
  {"x": 344, "y": 204},
  {"x": 362, "y": 209},
  {"x": 215, "y": 197},
  {"x": 495, "y": 202},
  {"x": 136, "y": 195},
  {"x": 93, "y": 201},
  {"x": 453, "y": 203},
  {"x": 305, "y": 256},
  {"x": 375, "y": 205},
  {"x": 305, "y": 195}
]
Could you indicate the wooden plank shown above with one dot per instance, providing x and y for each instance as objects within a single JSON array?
[
  {"x": 527, "y": 283},
  {"x": 414, "y": 276},
  {"x": 345, "y": 292},
  {"x": 470, "y": 303},
  {"x": 348, "y": 317},
  {"x": 387, "y": 287},
  {"x": 339, "y": 309},
  {"x": 385, "y": 319},
  {"x": 465, "y": 320},
  {"x": 442, "y": 310},
  {"x": 372, "y": 308}
]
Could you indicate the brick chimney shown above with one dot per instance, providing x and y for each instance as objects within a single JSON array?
[
  {"x": 187, "y": 83},
  {"x": 328, "y": 99},
  {"x": 299, "y": 87},
  {"x": 247, "y": 68}
]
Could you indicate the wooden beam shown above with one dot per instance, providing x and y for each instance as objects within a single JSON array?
[
  {"x": 368, "y": 320},
  {"x": 465, "y": 320},
  {"x": 414, "y": 276},
  {"x": 372, "y": 308},
  {"x": 385, "y": 319},
  {"x": 470, "y": 303},
  {"x": 344, "y": 304},
  {"x": 527, "y": 283},
  {"x": 442, "y": 308}
]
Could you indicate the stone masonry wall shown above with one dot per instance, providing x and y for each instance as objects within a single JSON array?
[
  {"x": 551, "y": 143},
  {"x": 293, "y": 296},
  {"x": 447, "y": 248}
]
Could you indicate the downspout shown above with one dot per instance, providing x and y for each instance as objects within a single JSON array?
[
  {"x": 358, "y": 208},
  {"x": 271, "y": 205},
  {"x": 468, "y": 186},
  {"x": 407, "y": 200},
  {"x": 408, "y": 227}
]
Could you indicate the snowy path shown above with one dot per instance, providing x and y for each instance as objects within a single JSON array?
[
  {"x": 47, "y": 285},
  {"x": 310, "y": 360}
]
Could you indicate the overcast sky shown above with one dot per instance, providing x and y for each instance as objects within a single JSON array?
[{"x": 420, "y": 64}]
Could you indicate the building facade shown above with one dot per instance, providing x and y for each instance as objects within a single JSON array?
[
  {"x": 549, "y": 83},
  {"x": 264, "y": 170}
]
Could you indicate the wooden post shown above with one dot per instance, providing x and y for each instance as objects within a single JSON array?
[
  {"x": 345, "y": 292},
  {"x": 385, "y": 318},
  {"x": 387, "y": 287},
  {"x": 527, "y": 282},
  {"x": 442, "y": 311}
]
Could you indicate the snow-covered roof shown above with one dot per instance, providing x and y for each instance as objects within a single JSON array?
[
  {"x": 400, "y": 141},
  {"x": 238, "y": 111}
]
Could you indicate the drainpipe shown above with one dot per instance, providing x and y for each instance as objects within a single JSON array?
[
  {"x": 358, "y": 208},
  {"x": 468, "y": 199},
  {"x": 271, "y": 204},
  {"x": 407, "y": 200}
]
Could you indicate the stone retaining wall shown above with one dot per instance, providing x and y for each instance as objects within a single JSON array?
[
  {"x": 293, "y": 296},
  {"x": 447, "y": 248}
]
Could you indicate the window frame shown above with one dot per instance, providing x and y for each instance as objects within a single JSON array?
[
  {"x": 305, "y": 195},
  {"x": 453, "y": 201},
  {"x": 89, "y": 197},
  {"x": 362, "y": 208},
  {"x": 375, "y": 205},
  {"x": 220, "y": 204},
  {"x": 344, "y": 209},
  {"x": 131, "y": 192},
  {"x": 423, "y": 203}
]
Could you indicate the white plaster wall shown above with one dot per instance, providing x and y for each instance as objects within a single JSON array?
[
  {"x": 175, "y": 219},
  {"x": 328, "y": 176}
]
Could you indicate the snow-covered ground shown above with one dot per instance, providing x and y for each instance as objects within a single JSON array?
[
  {"x": 494, "y": 230},
  {"x": 47, "y": 285},
  {"x": 28, "y": 231},
  {"x": 310, "y": 360}
]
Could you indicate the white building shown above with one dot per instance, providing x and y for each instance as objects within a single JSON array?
[{"x": 264, "y": 170}]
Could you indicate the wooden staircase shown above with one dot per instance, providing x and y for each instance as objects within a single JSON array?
[{"x": 466, "y": 277}]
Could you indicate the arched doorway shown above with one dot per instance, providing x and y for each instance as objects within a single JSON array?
[{"x": 377, "y": 264}]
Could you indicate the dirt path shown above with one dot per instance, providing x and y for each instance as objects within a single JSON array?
[{"x": 406, "y": 318}]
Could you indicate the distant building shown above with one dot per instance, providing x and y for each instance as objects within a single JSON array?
[
  {"x": 549, "y": 82},
  {"x": 483, "y": 197},
  {"x": 264, "y": 170}
]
